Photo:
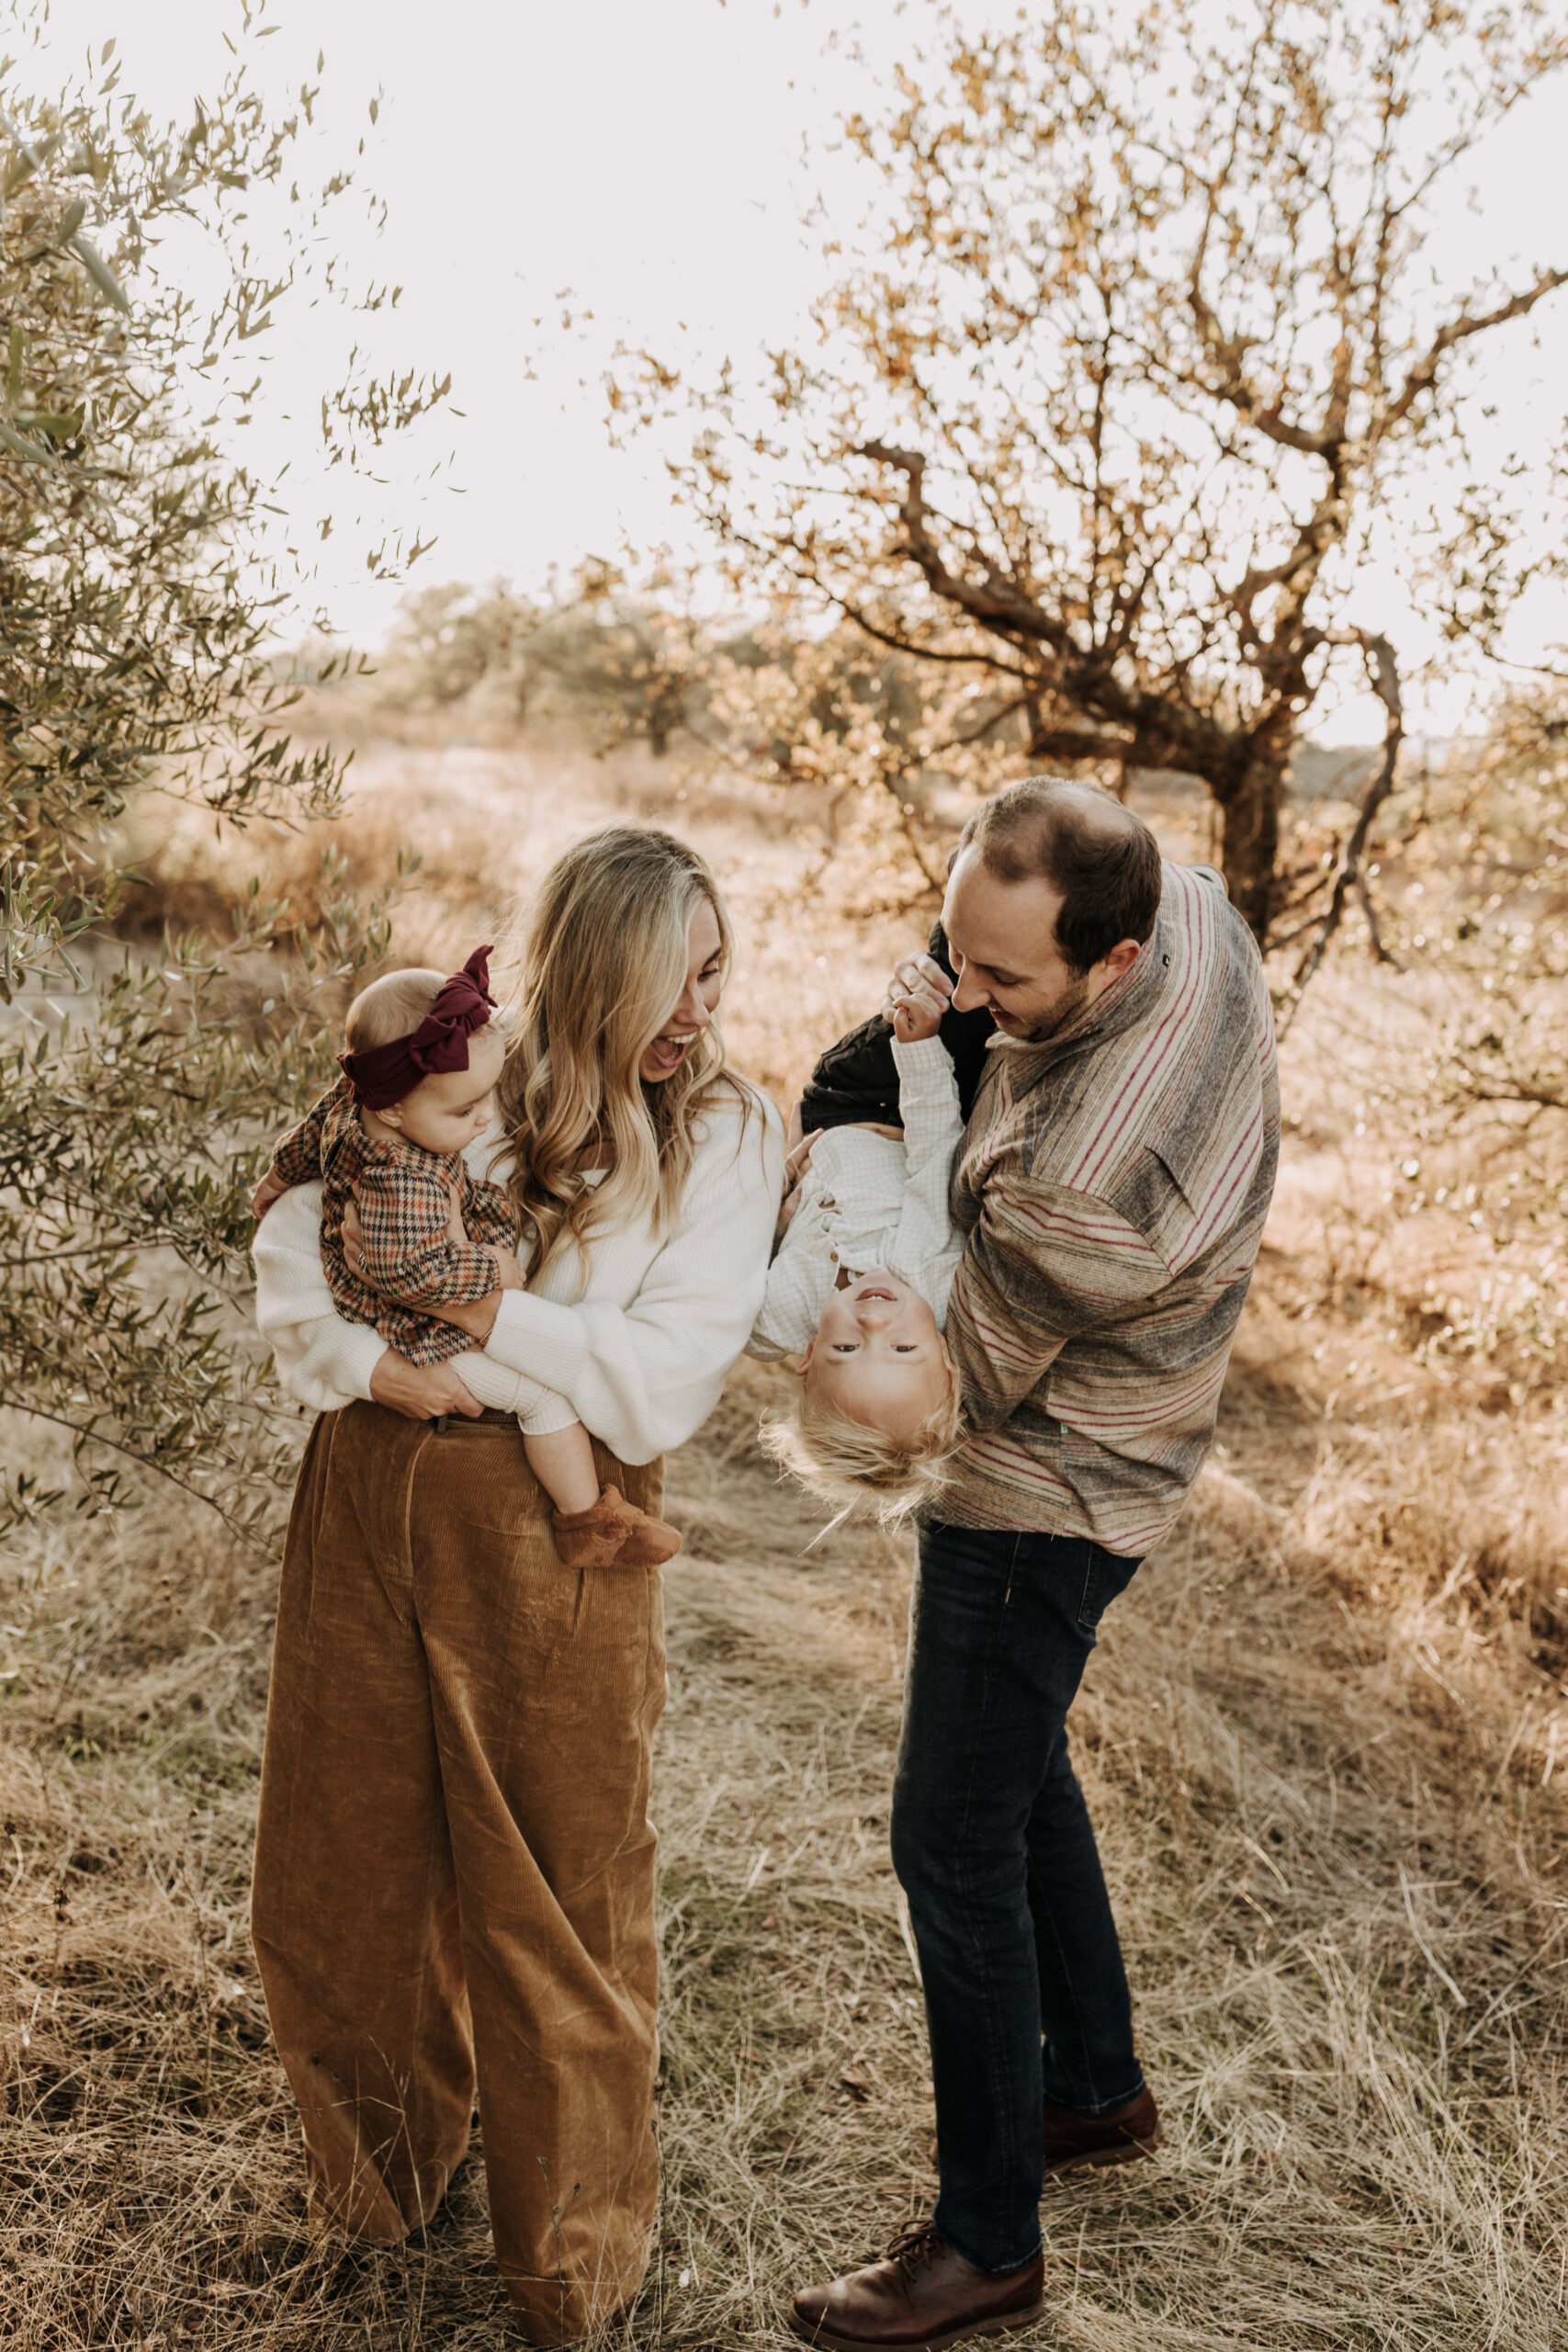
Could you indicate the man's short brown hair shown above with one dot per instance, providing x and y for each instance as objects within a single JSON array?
[{"x": 1101, "y": 859}]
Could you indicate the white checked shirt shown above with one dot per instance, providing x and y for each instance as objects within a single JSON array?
[{"x": 869, "y": 1206}]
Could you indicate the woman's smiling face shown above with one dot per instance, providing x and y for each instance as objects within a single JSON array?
[{"x": 698, "y": 1000}]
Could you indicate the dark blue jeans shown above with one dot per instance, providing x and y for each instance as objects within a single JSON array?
[{"x": 1025, "y": 1988}]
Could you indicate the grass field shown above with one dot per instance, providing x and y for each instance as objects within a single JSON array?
[{"x": 1321, "y": 1738}]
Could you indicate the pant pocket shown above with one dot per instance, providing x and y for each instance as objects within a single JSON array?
[{"x": 1106, "y": 1575}]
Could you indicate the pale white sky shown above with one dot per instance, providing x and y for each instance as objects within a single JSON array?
[{"x": 651, "y": 156}]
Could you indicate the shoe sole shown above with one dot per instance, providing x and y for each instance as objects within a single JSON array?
[
  {"x": 1006, "y": 2327},
  {"x": 1127, "y": 2153}
]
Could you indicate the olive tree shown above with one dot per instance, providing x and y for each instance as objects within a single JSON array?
[{"x": 136, "y": 658}]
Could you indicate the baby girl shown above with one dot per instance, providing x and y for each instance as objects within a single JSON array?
[
  {"x": 417, "y": 1089},
  {"x": 858, "y": 1290}
]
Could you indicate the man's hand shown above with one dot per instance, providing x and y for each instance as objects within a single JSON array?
[
  {"x": 918, "y": 995},
  {"x": 420, "y": 1392},
  {"x": 271, "y": 1188}
]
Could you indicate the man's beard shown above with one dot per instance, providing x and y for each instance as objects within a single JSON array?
[{"x": 1068, "y": 1005}]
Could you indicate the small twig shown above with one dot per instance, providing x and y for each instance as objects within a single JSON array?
[
  {"x": 1383, "y": 669},
  {"x": 96, "y": 1437},
  {"x": 1380, "y": 955}
]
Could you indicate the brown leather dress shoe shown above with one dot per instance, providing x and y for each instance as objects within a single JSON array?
[
  {"x": 1116, "y": 2138},
  {"x": 923, "y": 2294}
]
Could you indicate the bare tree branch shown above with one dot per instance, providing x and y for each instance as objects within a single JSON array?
[
  {"x": 1424, "y": 374},
  {"x": 1383, "y": 671}
]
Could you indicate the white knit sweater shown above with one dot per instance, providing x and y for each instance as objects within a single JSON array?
[
  {"x": 868, "y": 1204},
  {"x": 640, "y": 1351}
]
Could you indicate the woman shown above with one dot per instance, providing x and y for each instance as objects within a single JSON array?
[{"x": 454, "y": 1869}]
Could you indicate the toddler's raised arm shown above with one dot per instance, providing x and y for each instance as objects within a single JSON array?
[{"x": 934, "y": 1129}]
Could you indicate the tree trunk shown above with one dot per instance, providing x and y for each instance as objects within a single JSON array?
[{"x": 1250, "y": 835}]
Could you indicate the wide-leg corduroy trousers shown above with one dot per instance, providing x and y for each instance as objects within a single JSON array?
[{"x": 454, "y": 1879}]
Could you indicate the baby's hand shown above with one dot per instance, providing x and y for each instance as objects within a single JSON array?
[
  {"x": 508, "y": 1268},
  {"x": 456, "y": 1229},
  {"x": 917, "y": 998},
  {"x": 271, "y": 1188}
]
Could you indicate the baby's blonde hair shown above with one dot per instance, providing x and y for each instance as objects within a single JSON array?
[
  {"x": 863, "y": 1470},
  {"x": 390, "y": 1008}
]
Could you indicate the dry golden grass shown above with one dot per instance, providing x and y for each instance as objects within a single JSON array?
[{"x": 1320, "y": 1738}]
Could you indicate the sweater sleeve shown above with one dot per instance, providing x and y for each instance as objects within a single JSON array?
[
  {"x": 927, "y": 1098},
  {"x": 643, "y": 1377},
  {"x": 1044, "y": 1264},
  {"x": 323, "y": 1361}
]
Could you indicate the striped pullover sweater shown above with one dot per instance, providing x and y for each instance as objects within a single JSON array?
[{"x": 1111, "y": 1187}]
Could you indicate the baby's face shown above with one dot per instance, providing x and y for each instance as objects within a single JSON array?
[
  {"x": 877, "y": 1356},
  {"x": 453, "y": 1109}
]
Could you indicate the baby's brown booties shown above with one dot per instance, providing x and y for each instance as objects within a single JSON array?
[{"x": 614, "y": 1533}]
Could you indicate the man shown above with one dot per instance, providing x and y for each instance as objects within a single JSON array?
[{"x": 1112, "y": 1184}]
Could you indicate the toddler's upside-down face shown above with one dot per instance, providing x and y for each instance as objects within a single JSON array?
[{"x": 877, "y": 1357}]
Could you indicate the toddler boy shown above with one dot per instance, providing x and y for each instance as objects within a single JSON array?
[{"x": 859, "y": 1285}]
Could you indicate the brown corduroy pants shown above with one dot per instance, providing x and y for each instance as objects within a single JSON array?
[{"x": 454, "y": 1878}]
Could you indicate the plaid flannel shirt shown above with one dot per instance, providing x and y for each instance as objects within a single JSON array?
[{"x": 404, "y": 1195}]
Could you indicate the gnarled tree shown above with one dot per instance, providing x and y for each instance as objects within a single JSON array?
[{"x": 1155, "y": 350}]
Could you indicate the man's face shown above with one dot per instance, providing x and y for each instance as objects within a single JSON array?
[{"x": 1002, "y": 938}]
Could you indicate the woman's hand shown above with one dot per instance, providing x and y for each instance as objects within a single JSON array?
[
  {"x": 420, "y": 1392},
  {"x": 477, "y": 1316},
  {"x": 918, "y": 995},
  {"x": 800, "y": 1149}
]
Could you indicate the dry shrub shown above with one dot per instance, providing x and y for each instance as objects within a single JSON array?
[
  {"x": 487, "y": 817},
  {"x": 1335, "y": 1881},
  {"x": 1319, "y": 1737}
]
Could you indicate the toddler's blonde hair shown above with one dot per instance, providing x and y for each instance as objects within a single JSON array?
[{"x": 863, "y": 1470}]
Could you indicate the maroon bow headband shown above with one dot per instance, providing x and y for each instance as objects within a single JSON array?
[{"x": 387, "y": 1073}]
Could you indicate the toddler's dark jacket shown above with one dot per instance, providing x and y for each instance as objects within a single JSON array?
[{"x": 856, "y": 1080}]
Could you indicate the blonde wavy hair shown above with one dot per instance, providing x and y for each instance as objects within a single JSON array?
[
  {"x": 601, "y": 955},
  {"x": 861, "y": 1469}
]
